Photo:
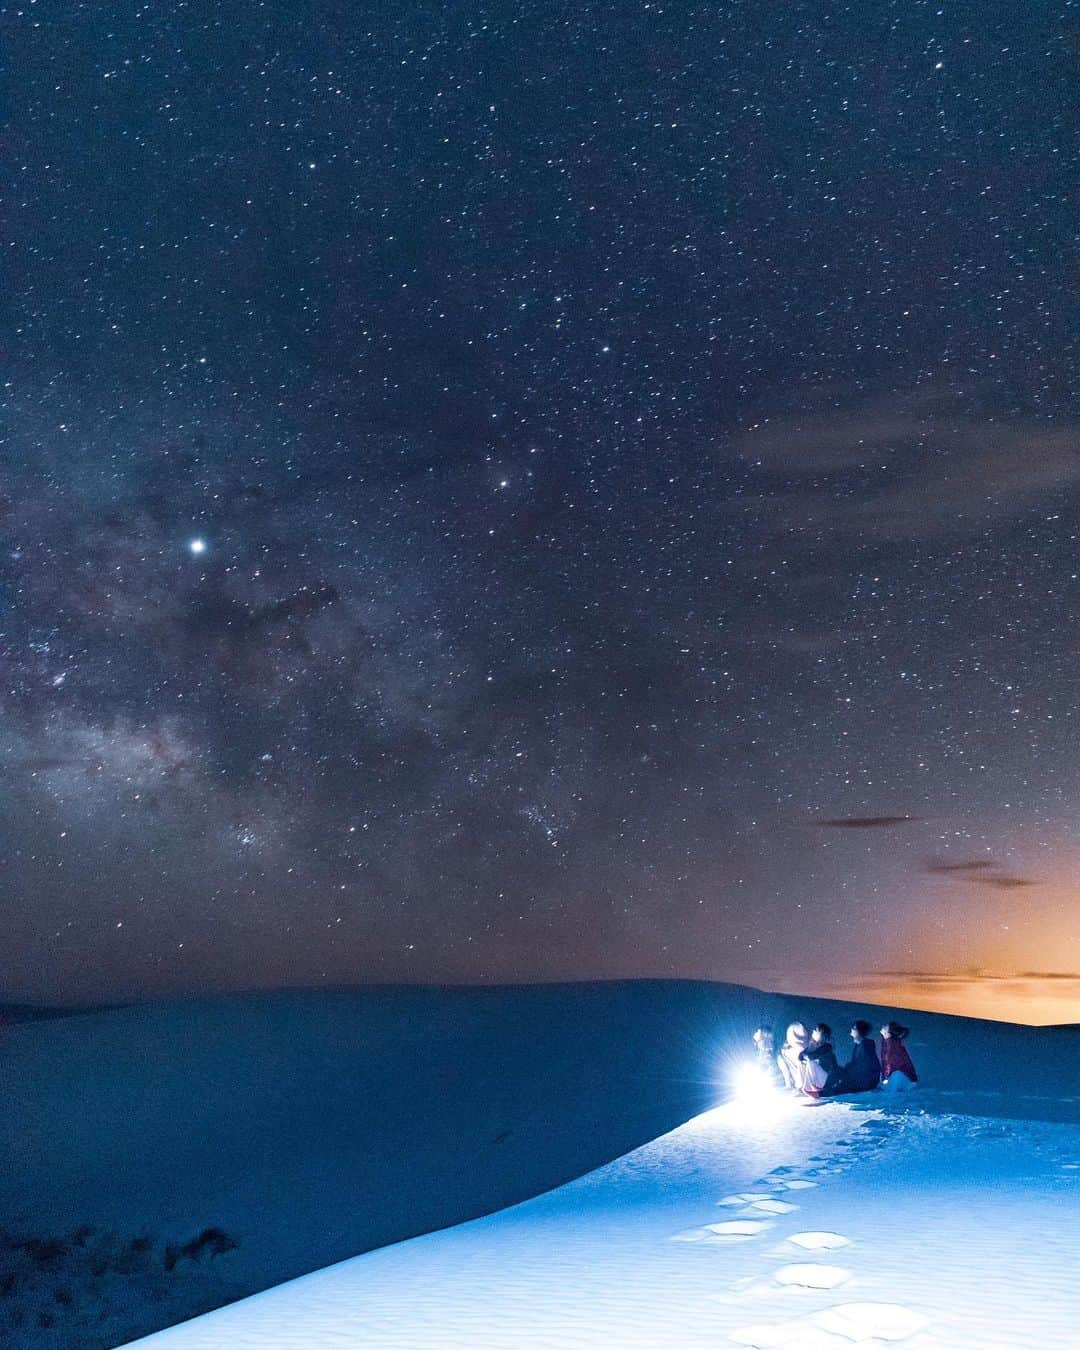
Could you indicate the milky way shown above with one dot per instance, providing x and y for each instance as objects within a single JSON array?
[{"x": 546, "y": 491}]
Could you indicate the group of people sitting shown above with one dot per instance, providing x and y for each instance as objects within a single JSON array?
[{"x": 807, "y": 1063}]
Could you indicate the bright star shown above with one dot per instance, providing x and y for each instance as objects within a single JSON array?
[{"x": 197, "y": 546}]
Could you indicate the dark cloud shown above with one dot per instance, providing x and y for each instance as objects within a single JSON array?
[
  {"x": 922, "y": 976},
  {"x": 978, "y": 872},
  {"x": 940, "y": 867},
  {"x": 865, "y": 822}
]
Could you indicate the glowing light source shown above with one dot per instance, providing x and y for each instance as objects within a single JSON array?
[
  {"x": 753, "y": 1084},
  {"x": 197, "y": 546},
  {"x": 756, "y": 1098}
]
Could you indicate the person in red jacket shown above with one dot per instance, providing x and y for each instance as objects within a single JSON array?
[{"x": 897, "y": 1071}]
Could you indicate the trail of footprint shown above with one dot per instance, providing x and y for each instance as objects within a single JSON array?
[
  {"x": 790, "y": 1179},
  {"x": 773, "y": 1207},
  {"x": 736, "y": 1230},
  {"x": 846, "y": 1323},
  {"x": 812, "y": 1275},
  {"x": 870, "y": 1321},
  {"x": 814, "y": 1241}
]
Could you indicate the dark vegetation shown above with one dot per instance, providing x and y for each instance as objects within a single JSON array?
[{"x": 89, "y": 1289}]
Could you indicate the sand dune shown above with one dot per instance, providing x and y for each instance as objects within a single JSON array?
[{"x": 306, "y": 1127}]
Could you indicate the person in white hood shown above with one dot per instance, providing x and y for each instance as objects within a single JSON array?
[{"x": 794, "y": 1071}]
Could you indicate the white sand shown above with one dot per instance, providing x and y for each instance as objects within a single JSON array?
[{"x": 926, "y": 1228}]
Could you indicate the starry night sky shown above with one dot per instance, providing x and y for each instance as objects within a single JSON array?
[{"x": 522, "y": 491}]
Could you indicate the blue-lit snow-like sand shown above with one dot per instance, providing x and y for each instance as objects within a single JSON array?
[{"x": 908, "y": 1224}]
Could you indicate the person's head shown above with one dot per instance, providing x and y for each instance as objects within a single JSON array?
[
  {"x": 893, "y": 1031},
  {"x": 763, "y": 1038},
  {"x": 860, "y": 1030},
  {"x": 796, "y": 1034},
  {"x": 822, "y": 1032}
]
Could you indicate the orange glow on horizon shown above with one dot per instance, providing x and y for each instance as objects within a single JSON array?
[{"x": 1031, "y": 998}]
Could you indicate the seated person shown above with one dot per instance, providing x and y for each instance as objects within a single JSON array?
[
  {"x": 765, "y": 1052},
  {"x": 897, "y": 1071},
  {"x": 820, "y": 1057},
  {"x": 794, "y": 1071},
  {"x": 862, "y": 1072}
]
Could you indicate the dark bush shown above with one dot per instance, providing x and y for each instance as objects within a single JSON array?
[
  {"x": 210, "y": 1242},
  {"x": 44, "y": 1251}
]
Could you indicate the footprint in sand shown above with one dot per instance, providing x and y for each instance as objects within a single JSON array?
[
  {"x": 736, "y": 1230},
  {"x": 870, "y": 1321},
  {"x": 812, "y": 1276},
  {"x": 789, "y": 1183},
  {"x": 847, "y": 1323},
  {"x": 819, "y": 1242},
  {"x": 773, "y": 1207}
]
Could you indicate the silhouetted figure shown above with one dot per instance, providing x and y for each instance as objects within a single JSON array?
[
  {"x": 897, "y": 1071},
  {"x": 862, "y": 1072},
  {"x": 826, "y": 1079}
]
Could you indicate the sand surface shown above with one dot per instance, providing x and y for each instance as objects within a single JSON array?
[{"x": 805, "y": 1227}]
